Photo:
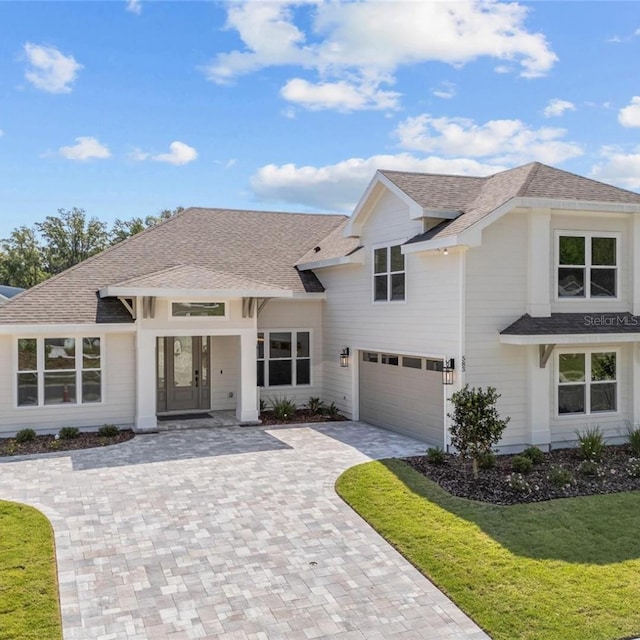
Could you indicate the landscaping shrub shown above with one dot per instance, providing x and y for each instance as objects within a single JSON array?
[
  {"x": 522, "y": 464},
  {"x": 633, "y": 436},
  {"x": 315, "y": 405},
  {"x": 633, "y": 468},
  {"x": 332, "y": 410},
  {"x": 435, "y": 455},
  {"x": 591, "y": 468},
  {"x": 263, "y": 405},
  {"x": 25, "y": 435},
  {"x": 108, "y": 431},
  {"x": 476, "y": 425},
  {"x": 69, "y": 433},
  {"x": 283, "y": 408},
  {"x": 518, "y": 483},
  {"x": 560, "y": 477},
  {"x": 487, "y": 461},
  {"x": 591, "y": 443},
  {"x": 534, "y": 454}
]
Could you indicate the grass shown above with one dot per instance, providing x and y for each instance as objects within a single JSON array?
[
  {"x": 565, "y": 569},
  {"x": 29, "y": 608}
]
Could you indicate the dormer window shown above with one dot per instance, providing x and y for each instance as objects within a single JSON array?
[
  {"x": 587, "y": 266},
  {"x": 388, "y": 274}
]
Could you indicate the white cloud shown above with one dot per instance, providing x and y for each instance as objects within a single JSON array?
[
  {"x": 622, "y": 169},
  {"x": 340, "y": 95},
  {"x": 337, "y": 187},
  {"x": 557, "y": 107},
  {"x": 629, "y": 116},
  {"x": 49, "y": 69},
  {"x": 179, "y": 153},
  {"x": 134, "y": 6},
  {"x": 365, "y": 42},
  {"x": 86, "y": 148},
  {"x": 138, "y": 155},
  {"x": 502, "y": 141},
  {"x": 446, "y": 90}
]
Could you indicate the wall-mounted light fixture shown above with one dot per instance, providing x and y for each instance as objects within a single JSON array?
[
  {"x": 447, "y": 371},
  {"x": 445, "y": 252},
  {"x": 344, "y": 357}
]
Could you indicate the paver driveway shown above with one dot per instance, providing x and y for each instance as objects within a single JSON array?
[{"x": 228, "y": 533}]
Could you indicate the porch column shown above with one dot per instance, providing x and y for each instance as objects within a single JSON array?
[
  {"x": 539, "y": 398},
  {"x": 247, "y": 405},
  {"x": 145, "y": 381}
]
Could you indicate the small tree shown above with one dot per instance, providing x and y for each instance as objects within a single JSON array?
[{"x": 476, "y": 425}]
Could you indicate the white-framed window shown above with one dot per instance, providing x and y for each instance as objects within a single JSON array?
[
  {"x": 59, "y": 371},
  {"x": 389, "y": 274},
  {"x": 587, "y": 265},
  {"x": 284, "y": 358},
  {"x": 187, "y": 309},
  {"x": 587, "y": 381}
]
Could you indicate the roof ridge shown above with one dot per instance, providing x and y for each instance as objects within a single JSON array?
[
  {"x": 267, "y": 211},
  {"x": 533, "y": 170},
  {"x": 428, "y": 173}
]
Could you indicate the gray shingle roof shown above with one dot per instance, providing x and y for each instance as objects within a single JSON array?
[
  {"x": 335, "y": 245},
  {"x": 478, "y": 199},
  {"x": 567, "y": 323},
  {"x": 250, "y": 245}
]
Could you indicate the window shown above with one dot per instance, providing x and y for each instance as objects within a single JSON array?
[
  {"x": 587, "y": 266},
  {"x": 434, "y": 365},
  {"x": 284, "y": 358},
  {"x": 59, "y": 371},
  {"x": 389, "y": 359},
  {"x": 198, "y": 309},
  {"x": 587, "y": 382},
  {"x": 369, "y": 356},
  {"x": 388, "y": 274},
  {"x": 412, "y": 363}
]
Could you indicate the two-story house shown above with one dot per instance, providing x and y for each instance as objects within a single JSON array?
[{"x": 527, "y": 280}]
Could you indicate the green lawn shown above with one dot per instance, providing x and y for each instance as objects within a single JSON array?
[
  {"x": 29, "y": 606},
  {"x": 565, "y": 569}
]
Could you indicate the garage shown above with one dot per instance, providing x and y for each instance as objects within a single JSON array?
[{"x": 403, "y": 393}]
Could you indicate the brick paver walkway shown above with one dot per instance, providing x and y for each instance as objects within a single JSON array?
[{"x": 228, "y": 533}]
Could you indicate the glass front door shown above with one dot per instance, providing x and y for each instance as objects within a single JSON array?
[{"x": 183, "y": 373}]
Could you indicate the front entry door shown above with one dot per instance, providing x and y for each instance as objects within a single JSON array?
[{"x": 186, "y": 364}]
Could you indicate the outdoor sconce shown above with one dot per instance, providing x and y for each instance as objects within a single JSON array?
[
  {"x": 447, "y": 371},
  {"x": 344, "y": 357}
]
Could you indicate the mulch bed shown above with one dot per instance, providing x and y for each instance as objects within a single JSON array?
[
  {"x": 492, "y": 485},
  {"x": 48, "y": 444},
  {"x": 299, "y": 417}
]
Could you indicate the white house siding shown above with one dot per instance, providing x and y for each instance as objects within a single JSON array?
[
  {"x": 605, "y": 222},
  {"x": 118, "y": 406},
  {"x": 496, "y": 295},
  {"x": 425, "y": 324},
  {"x": 564, "y": 428},
  {"x": 302, "y": 315}
]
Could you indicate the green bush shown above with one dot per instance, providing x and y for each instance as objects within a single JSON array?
[
  {"x": 108, "y": 431},
  {"x": 25, "y": 435},
  {"x": 518, "y": 483},
  {"x": 69, "y": 433},
  {"x": 315, "y": 405},
  {"x": 560, "y": 477},
  {"x": 633, "y": 468},
  {"x": 633, "y": 436},
  {"x": 435, "y": 455},
  {"x": 475, "y": 423},
  {"x": 534, "y": 454},
  {"x": 591, "y": 468},
  {"x": 331, "y": 411},
  {"x": 522, "y": 464},
  {"x": 591, "y": 443},
  {"x": 263, "y": 405},
  {"x": 283, "y": 408},
  {"x": 487, "y": 461}
]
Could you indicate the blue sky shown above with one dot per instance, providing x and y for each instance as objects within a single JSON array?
[{"x": 128, "y": 107}]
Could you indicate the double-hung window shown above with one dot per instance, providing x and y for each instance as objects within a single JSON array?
[
  {"x": 587, "y": 382},
  {"x": 388, "y": 274},
  {"x": 587, "y": 265},
  {"x": 59, "y": 371},
  {"x": 284, "y": 358}
]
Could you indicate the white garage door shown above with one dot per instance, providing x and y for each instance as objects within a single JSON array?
[{"x": 404, "y": 394}]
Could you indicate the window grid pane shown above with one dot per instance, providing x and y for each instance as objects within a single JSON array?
[
  {"x": 59, "y": 354},
  {"x": 572, "y": 250},
  {"x": 397, "y": 259},
  {"x": 27, "y": 354},
  {"x": 91, "y": 386},
  {"x": 91, "y": 353},
  {"x": 603, "y": 252},
  {"x": 380, "y": 260},
  {"x": 27, "y": 389},
  {"x": 60, "y": 388}
]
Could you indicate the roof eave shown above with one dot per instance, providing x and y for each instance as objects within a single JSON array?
[
  {"x": 355, "y": 257},
  {"x": 568, "y": 338},
  {"x": 88, "y": 328},
  {"x": 446, "y": 242}
]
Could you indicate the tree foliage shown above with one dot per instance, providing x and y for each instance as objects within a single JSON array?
[
  {"x": 476, "y": 425},
  {"x": 32, "y": 254}
]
